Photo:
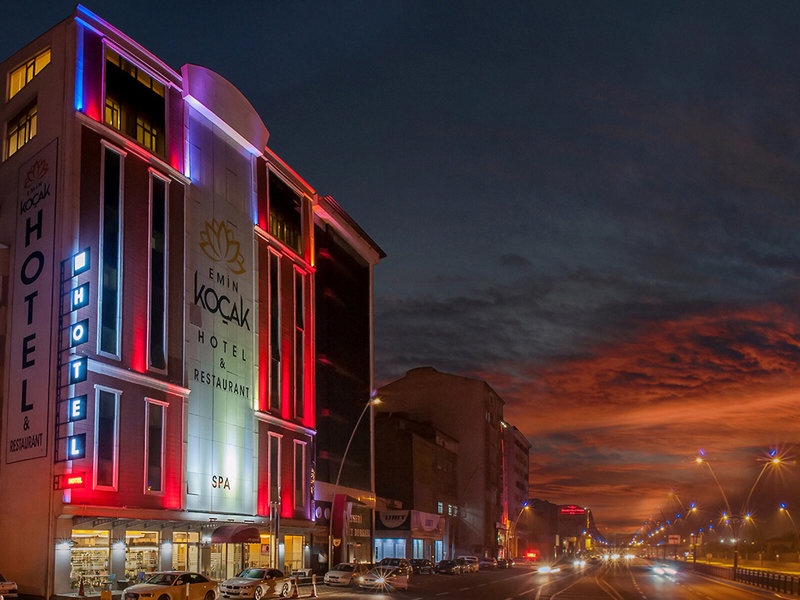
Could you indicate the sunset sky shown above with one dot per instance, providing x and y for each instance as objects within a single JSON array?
[{"x": 594, "y": 206}]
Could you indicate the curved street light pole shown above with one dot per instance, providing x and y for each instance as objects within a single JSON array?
[
  {"x": 512, "y": 531},
  {"x": 371, "y": 402}
]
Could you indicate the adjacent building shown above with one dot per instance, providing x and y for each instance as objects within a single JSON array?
[
  {"x": 159, "y": 323},
  {"x": 516, "y": 485},
  {"x": 470, "y": 412}
]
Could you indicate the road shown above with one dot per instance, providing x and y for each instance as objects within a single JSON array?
[{"x": 635, "y": 580}]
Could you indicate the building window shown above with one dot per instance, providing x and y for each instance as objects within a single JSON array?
[
  {"x": 274, "y": 467},
  {"x": 110, "y": 254},
  {"x": 285, "y": 222},
  {"x": 155, "y": 413},
  {"x": 417, "y": 545},
  {"x": 299, "y": 474},
  {"x": 440, "y": 507},
  {"x": 274, "y": 333},
  {"x": 22, "y": 75},
  {"x": 134, "y": 102},
  {"x": 21, "y": 129},
  {"x": 158, "y": 272},
  {"x": 299, "y": 343},
  {"x": 106, "y": 437}
]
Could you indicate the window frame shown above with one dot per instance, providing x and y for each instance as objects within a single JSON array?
[
  {"x": 153, "y": 174},
  {"x": 277, "y": 437},
  {"x": 106, "y": 147},
  {"x": 164, "y": 406},
  {"x": 23, "y": 116},
  {"x": 115, "y": 462},
  {"x": 299, "y": 339},
  {"x": 275, "y": 400},
  {"x": 29, "y": 64},
  {"x": 299, "y": 499}
]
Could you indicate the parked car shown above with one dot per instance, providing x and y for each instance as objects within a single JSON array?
[
  {"x": 400, "y": 563},
  {"x": 171, "y": 585},
  {"x": 504, "y": 563},
  {"x": 471, "y": 563},
  {"x": 450, "y": 567},
  {"x": 385, "y": 578},
  {"x": 256, "y": 583},
  {"x": 8, "y": 589},
  {"x": 487, "y": 562},
  {"x": 347, "y": 573},
  {"x": 422, "y": 566}
]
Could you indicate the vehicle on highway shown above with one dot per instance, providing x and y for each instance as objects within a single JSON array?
[
  {"x": 172, "y": 585},
  {"x": 470, "y": 561},
  {"x": 400, "y": 563},
  {"x": 347, "y": 573},
  {"x": 385, "y": 578},
  {"x": 504, "y": 563},
  {"x": 8, "y": 589},
  {"x": 449, "y": 567},
  {"x": 256, "y": 583},
  {"x": 422, "y": 566},
  {"x": 487, "y": 562},
  {"x": 548, "y": 569}
]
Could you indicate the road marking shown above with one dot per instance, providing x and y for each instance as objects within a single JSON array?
[
  {"x": 466, "y": 589},
  {"x": 442, "y": 593}
]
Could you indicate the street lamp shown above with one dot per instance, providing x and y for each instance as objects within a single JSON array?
[
  {"x": 737, "y": 521},
  {"x": 783, "y": 509},
  {"x": 371, "y": 402},
  {"x": 513, "y": 529}
]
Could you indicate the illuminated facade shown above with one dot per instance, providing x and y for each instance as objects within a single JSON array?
[
  {"x": 157, "y": 319},
  {"x": 516, "y": 484}
]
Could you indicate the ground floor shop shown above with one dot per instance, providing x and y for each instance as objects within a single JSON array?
[
  {"x": 411, "y": 534},
  {"x": 120, "y": 552}
]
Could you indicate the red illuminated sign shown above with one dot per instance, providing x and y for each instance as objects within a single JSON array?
[
  {"x": 69, "y": 481},
  {"x": 572, "y": 510}
]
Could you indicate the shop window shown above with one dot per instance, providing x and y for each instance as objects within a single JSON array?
[
  {"x": 438, "y": 550},
  {"x": 106, "y": 437},
  {"x": 134, "y": 102},
  {"x": 110, "y": 271},
  {"x": 299, "y": 474},
  {"x": 285, "y": 222},
  {"x": 293, "y": 553},
  {"x": 21, "y": 129},
  {"x": 158, "y": 273},
  {"x": 185, "y": 551},
  {"x": 154, "y": 446},
  {"x": 22, "y": 75},
  {"x": 417, "y": 548},
  {"x": 89, "y": 555},
  {"x": 141, "y": 553},
  {"x": 274, "y": 332},
  {"x": 299, "y": 343},
  {"x": 274, "y": 467}
]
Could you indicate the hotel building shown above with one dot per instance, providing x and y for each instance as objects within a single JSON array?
[{"x": 157, "y": 320}]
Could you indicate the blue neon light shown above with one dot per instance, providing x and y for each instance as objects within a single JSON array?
[{"x": 79, "y": 72}]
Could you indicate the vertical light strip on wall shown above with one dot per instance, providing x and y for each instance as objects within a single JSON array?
[
  {"x": 157, "y": 324},
  {"x": 111, "y": 255}
]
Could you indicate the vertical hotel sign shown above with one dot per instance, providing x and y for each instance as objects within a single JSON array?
[{"x": 27, "y": 407}]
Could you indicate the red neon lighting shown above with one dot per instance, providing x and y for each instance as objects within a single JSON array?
[
  {"x": 572, "y": 510},
  {"x": 75, "y": 480}
]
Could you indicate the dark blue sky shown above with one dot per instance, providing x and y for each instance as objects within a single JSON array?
[{"x": 594, "y": 206}]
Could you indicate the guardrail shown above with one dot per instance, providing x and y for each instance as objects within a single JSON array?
[{"x": 768, "y": 580}]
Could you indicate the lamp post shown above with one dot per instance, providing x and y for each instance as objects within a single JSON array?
[
  {"x": 783, "y": 509},
  {"x": 371, "y": 402},
  {"x": 737, "y": 521},
  {"x": 513, "y": 529}
]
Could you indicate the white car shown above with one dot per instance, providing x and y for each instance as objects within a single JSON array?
[
  {"x": 172, "y": 585},
  {"x": 255, "y": 583},
  {"x": 346, "y": 574},
  {"x": 471, "y": 563},
  {"x": 8, "y": 589},
  {"x": 385, "y": 579}
]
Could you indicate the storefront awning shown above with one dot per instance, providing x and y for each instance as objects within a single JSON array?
[{"x": 236, "y": 534}]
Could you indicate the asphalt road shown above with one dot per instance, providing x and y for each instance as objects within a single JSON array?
[{"x": 636, "y": 580}]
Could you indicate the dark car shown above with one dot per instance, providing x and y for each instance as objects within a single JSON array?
[
  {"x": 422, "y": 566},
  {"x": 504, "y": 563},
  {"x": 450, "y": 567},
  {"x": 401, "y": 563}
]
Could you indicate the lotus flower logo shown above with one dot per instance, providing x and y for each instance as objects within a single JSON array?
[
  {"x": 36, "y": 172},
  {"x": 218, "y": 244}
]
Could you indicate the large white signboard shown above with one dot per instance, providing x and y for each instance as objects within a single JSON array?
[
  {"x": 27, "y": 407},
  {"x": 220, "y": 438}
]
